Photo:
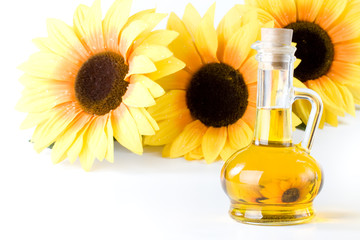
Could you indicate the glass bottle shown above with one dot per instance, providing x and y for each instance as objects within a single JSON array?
[{"x": 273, "y": 181}]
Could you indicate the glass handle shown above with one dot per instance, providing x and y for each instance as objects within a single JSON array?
[{"x": 315, "y": 114}]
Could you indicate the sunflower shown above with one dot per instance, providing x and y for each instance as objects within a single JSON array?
[
  {"x": 92, "y": 82},
  {"x": 209, "y": 108},
  {"x": 249, "y": 194},
  {"x": 328, "y": 44},
  {"x": 287, "y": 191}
]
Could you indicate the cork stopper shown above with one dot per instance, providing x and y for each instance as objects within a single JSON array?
[{"x": 277, "y": 35}]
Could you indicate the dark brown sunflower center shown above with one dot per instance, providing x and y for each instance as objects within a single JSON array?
[
  {"x": 217, "y": 95},
  {"x": 314, "y": 48},
  {"x": 100, "y": 84},
  {"x": 290, "y": 195}
]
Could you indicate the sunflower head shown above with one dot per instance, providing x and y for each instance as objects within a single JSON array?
[
  {"x": 286, "y": 191},
  {"x": 209, "y": 108},
  {"x": 92, "y": 81},
  {"x": 225, "y": 94},
  {"x": 100, "y": 83},
  {"x": 328, "y": 44}
]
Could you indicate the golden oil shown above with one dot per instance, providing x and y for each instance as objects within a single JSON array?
[
  {"x": 272, "y": 126},
  {"x": 271, "y": 184},
  {"x": 272, "y": 181}
]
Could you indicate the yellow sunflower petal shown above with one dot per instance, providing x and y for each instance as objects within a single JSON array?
[
  {"x": 284, "y": 12},
  {"x": 347, "y": 52},
  {"x": 41, "y": 102},
  {"x": 95, "y": 40},
  {"x": 110, "y": 140},
  {"x": 239, "y": 135},
  {"x": 258, "y": 3},
  {"x": 155, "y": 89},
  {"x": 59, "y": 91},
  {"x": 344, "y": 73},
  {"x": 141, "y": 65},
  {"x": 226, "y": 28},
  {"x": 331, "y": 89},
  {"x": 50, "y": 66},
  {"x": 330, "y": 12},
  {"x": 140, "y": 15},
  {"x": 183, "y": 46},
  {"x": 206, "y": 37},
  {"x": 138, "y": 96},
  {"x": 308, "y": 10},
  {"x": 297, "y": 83},
  {"x": 249, "y": 70},
  {"x": 238, "y": 47},
  {"x": 125, "y": 130},
  {"x": 154, "y": 52},
  {"x": 150, "y": 119},
  {"x": 346, "y": 29},
  {"x": 263, "y": 16},
  {"x": 88, "y": 26},
  {"x": 66, "y": 139},
  {"x": 297, "y": 62},
  {"x": 129, "y": 34},
  {"x": 195, "y": 154},
  {"x": 347, "y": 97},
  {"x": 170, "y": 105},
  {"x": 142, "y": 123},
  {"x": 76, "y": 147},
  {"x": 97, "y": 139},
  {"x": 166, "y": 67},
  {"x": 232, "y": 22},
  {"x": 169, "y": 129},
  {"x": 212, "y": 143},
  {"x": 46, "y": 133},
  {"x": 166, "y": 151},
  {"x": 86, "y": 156},
  {"x": 178, "y": 80},
  {"x": 355, "y": 90},
  {"x": 42, "y": 44},
  {"x": 227, "y": 151},
  {"x": 80, "y": 24},
  {"x": 34, "y": 119},
  {"x": 296, "y": 121},
  {"x": 266, "y": 18},
  {"x": 63, "y": 41},
  {"x": 161, "y": 37},
  {"x": 301, "y": 107},
  {"x": 249, "y": 116},
  {"x": 36, "y": 104},
  {"x": 29, "y": 81},
  {"x": 49, "y": 87},
  {"x": 151, "y": 20},
  {"x": 191, "y": 19},
  {"x": 114, "y": 21},
  {"x": 328, "y": 102},
  {"x": 252, "y": 91},
  {"x": 331, "y": 118},
  {"x": 188, "y": 140}
]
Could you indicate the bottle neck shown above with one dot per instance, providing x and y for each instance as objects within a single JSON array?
[{"x": 273, "y": 124}]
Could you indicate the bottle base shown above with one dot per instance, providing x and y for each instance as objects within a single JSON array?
[{"x": 272, "y": 215}]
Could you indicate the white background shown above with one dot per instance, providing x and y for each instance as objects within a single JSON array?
[{"x": 145, "y": 197}]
